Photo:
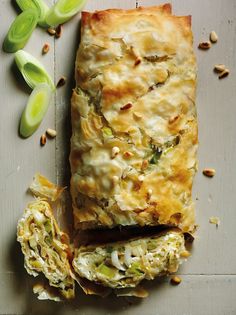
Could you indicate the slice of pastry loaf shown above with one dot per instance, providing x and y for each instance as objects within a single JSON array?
[{"x": 125, "y": 264}]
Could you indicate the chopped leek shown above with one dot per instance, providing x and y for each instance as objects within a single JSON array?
[
  {"x": 36, "y": 264},
  {"x": 108, "y": 272},
  {"x": 20, "y": 31},
  {"x": 38, "y": 5},
  {"x": 48, "y": 240},
  {"x": 63, "y": 10},
  {"x": 35, "y": 109},
  {"x": 32, "y": 70},
  {"x": 109, "y": 249},
  {"x": 48, "y": 226},
  {"x": 156, "y": 156},
  {"x": 136, "y": 269},
  {"x": 107, "y": 132}
]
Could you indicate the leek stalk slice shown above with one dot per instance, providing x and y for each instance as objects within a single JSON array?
[
  {"x": 32, "y": 70},
  {"x": 35, "y": 109},
  {"x": 63, "y": 10},
  {"x": 20, "y": 31},
  {"x": 38, "y": 5}
]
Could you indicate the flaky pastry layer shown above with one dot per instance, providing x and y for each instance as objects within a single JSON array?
[{"x": 134, "y": 127}]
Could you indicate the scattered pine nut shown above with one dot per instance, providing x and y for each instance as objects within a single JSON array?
[
  {"x": 58, "y": 31},
  {"x": 127, "y": 106},
  {"x": 114, "y": 152},
  {"x": 137, "y": 61},
  {"x": 45, "y": 49},
  {"x": 223, "y": 74},
  {"x": 219, "y": 67},
  {"x": 175, "y": 280},
  {"x": 51, "y": 133},
  {"x": 204, "y": 45},
  {"x": 61, "y": 81},
  {"x": 213, "y": 37},
  {"x": 128, "y": 154},
  {"x": 185, "y": 254},
  {"x": 144, "y": 165},
  {"x": 125, "y": 172},
  {"x": 51, "y": 31},
  {"x": 173, "y": 119},
  {"x": 141, "y": 178},
  {"x": 43, "y": 140},
  {"x": 209, "y": 172},
  {"x": 149, "y": 193}
]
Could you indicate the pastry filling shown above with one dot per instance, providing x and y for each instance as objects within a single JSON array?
[
  {"x": 44, "y": 251},
  {"x": 125, "y": 264}
]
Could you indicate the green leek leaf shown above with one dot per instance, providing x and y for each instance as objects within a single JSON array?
[
  {"x": 63, "y": 10},
  {"x": 108, "y": 272},
  {"x": 107, "y": 132},
  {"x": 20, "y": 31},
  {"x": 136, "y": 269},
  {"x": 48, "y": 226},
  {"x": 35, "y": 109},
  {"x": 38, "y": 5},
  {"x": 32, "y": 70},
  {"x": 156, "y": 156}
]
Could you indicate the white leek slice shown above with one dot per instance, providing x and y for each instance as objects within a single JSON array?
[
  {"x": 20, "y": 31},
  {"x": 32, "y": 70},
  {"x": 38, "y": 5},
  {"x": 63, "y": 10},
  {"x": 35, "y": 109}
]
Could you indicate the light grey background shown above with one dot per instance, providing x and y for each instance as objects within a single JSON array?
[{"x": 209, "y": 276}]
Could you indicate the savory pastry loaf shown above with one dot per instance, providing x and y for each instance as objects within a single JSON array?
[
  {"x": 102, "y": 261},
  {"x": 134, "y": 128}
]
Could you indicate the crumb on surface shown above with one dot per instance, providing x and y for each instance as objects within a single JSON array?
[{"x": 214, "y": 220}]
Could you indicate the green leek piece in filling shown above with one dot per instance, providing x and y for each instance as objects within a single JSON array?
[
  {"x": 32, "y": 70},
  {"x": 108, "y": 272},
  {"x": 48, "y": 226},
  {"x": 20, "y": 31},
  {"x": 35, "y": 109},
  {"x": 107, "y": 132},
  {"x": 38, "y": 5},
  {"x": 156, "y": 156},
  {"x": 63, "y": 10},
  {"x": 136, "y": 269}
]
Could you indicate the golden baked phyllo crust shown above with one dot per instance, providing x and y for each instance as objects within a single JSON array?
[{"x": 134, "y": 141}]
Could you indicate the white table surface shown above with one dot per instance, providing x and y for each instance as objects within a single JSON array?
[{"x": 209, "y": 276}]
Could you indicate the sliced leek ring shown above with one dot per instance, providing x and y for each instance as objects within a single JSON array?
[
  {"x": 20, "y": 31},
  {"x": 63, "y": 10},
  {"x": 32, "y": 70},
  {"x": 35, "y": 109},
  {"x": 39, "y": 5}
]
